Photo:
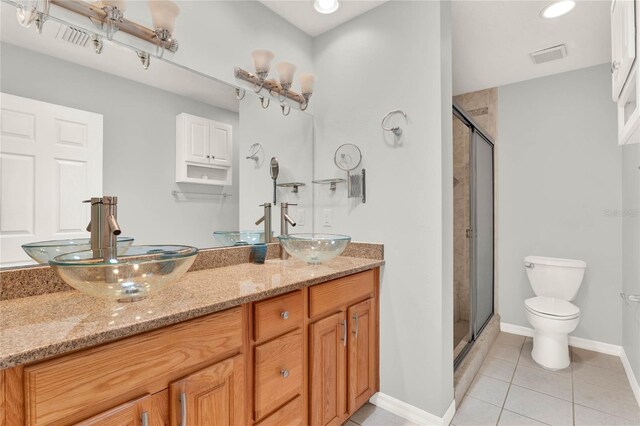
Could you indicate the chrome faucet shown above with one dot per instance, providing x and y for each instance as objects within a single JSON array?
[
  {"x": 104, "y": 227},
  {"x": 285, "y": 221},
  {"x": 266, "y": 219}
]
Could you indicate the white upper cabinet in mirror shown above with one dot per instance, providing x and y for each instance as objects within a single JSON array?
[{"x": 109, "y": 127}]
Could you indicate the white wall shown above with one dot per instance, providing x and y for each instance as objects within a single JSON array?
[
  {"x": 290, "y": 140},
  {"x": 396, "y": 56},
  {"x": 138, "y": 148},
  {"x": 559, "y": 173},
  {"x": 216, "y": 36},
  {"x": 631, "y": 253}
]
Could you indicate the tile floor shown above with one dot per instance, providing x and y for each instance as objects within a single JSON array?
[{"x": 511, "y": 389}]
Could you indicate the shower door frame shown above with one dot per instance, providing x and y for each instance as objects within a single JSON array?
[{"x": 474, "y": 330}]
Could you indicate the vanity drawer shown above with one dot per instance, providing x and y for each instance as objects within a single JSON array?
[
  {"x": 73, "y": 387},
  {"x": 335, "y": 295},
  {"x": 289, "y": 415},
  {"x": 276, "y": 316},
  {"x": 278, "y": 372}
]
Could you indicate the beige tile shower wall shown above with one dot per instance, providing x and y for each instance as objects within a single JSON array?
[
  {"x": 482, "y": 106},
  {"x": 460, "y": 221}
]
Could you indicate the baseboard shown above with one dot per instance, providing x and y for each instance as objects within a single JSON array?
[
  {"x": 411, "y": 413},
  {"x": 576, "y": 342},
  {"x": 632, "y": 378}
]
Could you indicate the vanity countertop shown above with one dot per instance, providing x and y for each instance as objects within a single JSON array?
[{"x": 39, "y": 327}]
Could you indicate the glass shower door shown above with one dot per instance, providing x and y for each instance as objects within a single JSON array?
[{"x": 482, "y": 229}]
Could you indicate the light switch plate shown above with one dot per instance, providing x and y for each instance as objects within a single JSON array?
[{"x": 326, "y": 218}]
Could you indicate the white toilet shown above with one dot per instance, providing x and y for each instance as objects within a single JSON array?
[{"x": 555, "y": 282}]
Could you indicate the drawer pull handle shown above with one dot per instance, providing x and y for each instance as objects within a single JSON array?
[
  {"x": 284, "y": 315},
  {"x": 284, "y": 373},
  {"x": 344, "y": 332},
  {"x": 355, "y": 317},
  {"x": 144, "y": 418},
  {"x": 183, "y": 409}
]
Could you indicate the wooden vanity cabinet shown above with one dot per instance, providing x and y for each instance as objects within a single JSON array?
[
  {"x": 211, "y": 396},
  {"x": 132, "y": 413},
  {"x": 343, "y": 353},
  {"x": 306, "y": 357}
]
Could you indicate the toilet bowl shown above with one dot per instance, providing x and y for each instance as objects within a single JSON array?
[
  {"x": 552, "y": 321},
  {"x": 551, "y": 314}
]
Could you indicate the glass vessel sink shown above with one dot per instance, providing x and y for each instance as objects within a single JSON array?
[
  {"x": 44, "y": 251},
  {"x": 135, "y": 274},
  {"x": 314, "y": 248},
  {"x": 239, "y": 238}
]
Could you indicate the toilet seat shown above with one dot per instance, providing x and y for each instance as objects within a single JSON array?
[{"x": 549, "y": 307}]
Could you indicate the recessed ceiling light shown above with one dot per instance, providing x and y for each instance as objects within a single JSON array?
[
  {"x": 326, "y": 6},
  {"x": 558, "y": 8}
]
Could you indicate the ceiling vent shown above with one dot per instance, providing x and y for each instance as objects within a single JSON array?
[
  {"x": 547, "y": 55},
  {"x": 73, "y": 35}
]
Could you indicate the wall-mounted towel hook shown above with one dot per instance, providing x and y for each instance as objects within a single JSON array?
[
  {"x": 262, "y": 99},
  {"x": 240, "y": 93},
  {"x": 256, "y": 153},
  {"x": 396, "y": 130}
]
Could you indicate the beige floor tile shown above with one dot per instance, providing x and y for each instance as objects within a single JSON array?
[
  {"x": 610, "y": 362},
  {"x": 507, "y": 418},
  {"x": 538, "y": 406},
  {"x": 604, "y": 377},
  {"x": 473, "y": 412},
  {"x": 588, "y": 417},
  {"x": 505, "y": 352},
  {"x": 558, "y": 385},
  {"x": 526, "y": 360},
  {"x": 510, "y": 339},
  {"x": 350, "y": 423},
  {"x": 370, "y": 415},
  {"x": 616, "y": 402},
  {"x": 489, "y": 390},
  {"x": 498, "y": 368}
]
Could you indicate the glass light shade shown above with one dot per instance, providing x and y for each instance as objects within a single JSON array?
[
  {"x": 262, "y": 59},
  {"x": 120, "y": 4},
  {"x": 307, "y": 82},
  {"x": 26, "y": 12},
  {"x": 557, "y": 9},
  {"x": 326, "y": 6},
  {"x": 163, "y": 14},
  {"x": 286, "y": 71}
]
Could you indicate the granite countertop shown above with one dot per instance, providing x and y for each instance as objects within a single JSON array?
[{"x": 39, "y": 327}]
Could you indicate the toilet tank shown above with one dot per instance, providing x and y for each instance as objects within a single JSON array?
[{"x": 552, "y": 277}]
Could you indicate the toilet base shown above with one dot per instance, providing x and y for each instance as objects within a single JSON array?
[{"x": 551, "y": 351}]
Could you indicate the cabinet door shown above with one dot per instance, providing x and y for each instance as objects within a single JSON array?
[
  {"x": 362, "y": 354},
  {"x": 623, "y": 43},
  {"x": 132, "y": 413},
  {"x": 327, "y": 368},
  {"x": 196, "y": 136},
  {"x": 221, "y": 144},
  {"x": 211, "y": 396}
]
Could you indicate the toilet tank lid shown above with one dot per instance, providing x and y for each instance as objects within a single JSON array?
[{"x": 553, "y": 261}]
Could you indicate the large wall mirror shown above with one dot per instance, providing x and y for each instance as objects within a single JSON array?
[{"x": 75, "y": 125}]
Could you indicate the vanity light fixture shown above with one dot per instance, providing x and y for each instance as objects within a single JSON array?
[
  {"x": 326, "y": 6},
  {"x": 262, "y": 64},
  {"x": 557, "y": 9},
  {"x": 114, "y": 13},
  {"x": 163, "y": 16},
  {"x": 280, "y": 88},
  {"x": 32, "y": 11},
  {"x": 108, "y": 15}
]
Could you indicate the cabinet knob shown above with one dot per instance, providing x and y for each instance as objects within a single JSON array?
[
  {"x": 284, "y": 315},
  {"x": 284, "y": 373},
  {"x": 208, "y": 156}
]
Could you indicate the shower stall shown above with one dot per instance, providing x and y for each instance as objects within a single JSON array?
[{"x": 473, "y": 224}]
